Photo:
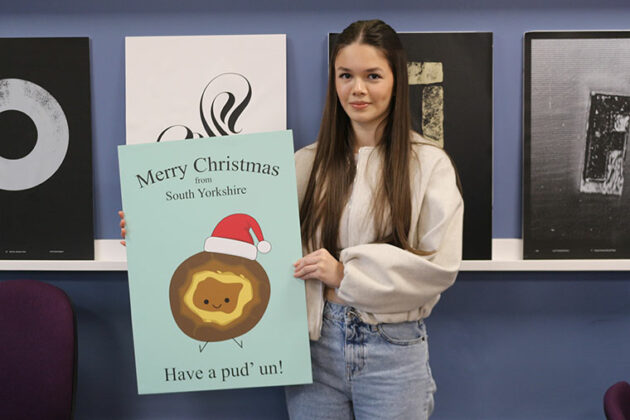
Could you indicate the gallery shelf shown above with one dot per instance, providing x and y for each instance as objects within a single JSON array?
[
  {"x": 109, "y": 255},
  {"x": 507, "y": 253}
]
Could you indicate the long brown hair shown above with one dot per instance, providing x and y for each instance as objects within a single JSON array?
[{"x": 334, "y": 166}]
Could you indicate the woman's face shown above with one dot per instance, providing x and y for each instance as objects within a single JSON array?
[{"x": 364, "y": 83}]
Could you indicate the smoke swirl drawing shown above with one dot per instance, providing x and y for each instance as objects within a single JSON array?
[
  {"x": 222, "y": 103},
  {"x": 52, "y": 135}
]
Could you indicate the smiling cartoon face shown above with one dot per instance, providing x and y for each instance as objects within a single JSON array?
[{"x": 214, "y": 295}]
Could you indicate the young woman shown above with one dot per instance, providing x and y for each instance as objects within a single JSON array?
[{"x": 381, "y": 217}]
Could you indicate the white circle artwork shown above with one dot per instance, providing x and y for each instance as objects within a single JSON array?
[{"x": 52, "y": 135}]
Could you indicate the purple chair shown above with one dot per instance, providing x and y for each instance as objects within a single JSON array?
[
  {"x": 38, "y": 351},
  {"x": 617, "y": 401}
]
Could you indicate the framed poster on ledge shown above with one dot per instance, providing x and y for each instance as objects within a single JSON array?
[
  {"x": 450, "y": 92},
  {"x": 575, "y": 127},
  {"x": 189, "y": 87},
  {"x": 45, "y": 149}
]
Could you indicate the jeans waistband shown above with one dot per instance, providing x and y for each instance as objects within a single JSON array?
[{"x": 337, "y": 311}]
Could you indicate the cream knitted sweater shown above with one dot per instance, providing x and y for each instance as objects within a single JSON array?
[{"x": 383, "y": 282}]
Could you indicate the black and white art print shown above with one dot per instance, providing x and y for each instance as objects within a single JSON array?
[
  {"x": 45, "y": 149},
  {"x": 450, "y": 85},
  {"x": 576, "y": 123},
  {"x": 188, "y": 87}
]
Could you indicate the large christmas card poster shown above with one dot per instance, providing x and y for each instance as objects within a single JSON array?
[
  {"x": 450, "y": 94},
  {"x": 45, "y": 149},
  {"x": 213, "y": 231},
  {"x": 183, "y": 87}
]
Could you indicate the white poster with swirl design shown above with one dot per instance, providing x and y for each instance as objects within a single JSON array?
[
  {"x": 189, "y": 87},
  {"x": 52, "y": 135}
]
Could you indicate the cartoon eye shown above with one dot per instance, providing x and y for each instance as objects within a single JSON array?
[
  {"x": 205, "y": 301},
  {"x": 227, "y": 300}
]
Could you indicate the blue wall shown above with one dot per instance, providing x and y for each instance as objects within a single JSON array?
[{"x": 503, "y": 345}]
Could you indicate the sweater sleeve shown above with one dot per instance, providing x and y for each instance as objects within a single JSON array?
[
  {"x": 382, "y": 278},
  {"x": 303, "y": 166}
]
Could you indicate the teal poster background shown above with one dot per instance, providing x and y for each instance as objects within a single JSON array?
[{"x": 174, "y": 195}]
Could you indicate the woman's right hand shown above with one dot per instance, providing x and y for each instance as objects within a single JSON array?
[{"x": 123, "y": 231}]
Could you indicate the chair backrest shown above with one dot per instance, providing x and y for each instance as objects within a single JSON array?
[
  {"x": 37, "y": 351},
  {"x": 617, "y": 401}
]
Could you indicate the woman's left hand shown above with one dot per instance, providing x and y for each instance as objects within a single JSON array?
[{"x": 320, "y": 265}]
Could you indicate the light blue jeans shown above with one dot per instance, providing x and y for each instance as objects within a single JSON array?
[{"x": 363, "y": 371}]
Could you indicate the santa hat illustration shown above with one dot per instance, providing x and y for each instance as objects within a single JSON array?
[{"x": 231, "y": 236}]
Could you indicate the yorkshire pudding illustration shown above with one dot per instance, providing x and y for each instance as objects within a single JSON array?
[{"x": 222, "y": 292}]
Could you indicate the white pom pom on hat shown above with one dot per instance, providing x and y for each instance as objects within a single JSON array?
[
  {"x": 231, "y": 236},
  {"x": 264, "y": 247}
]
